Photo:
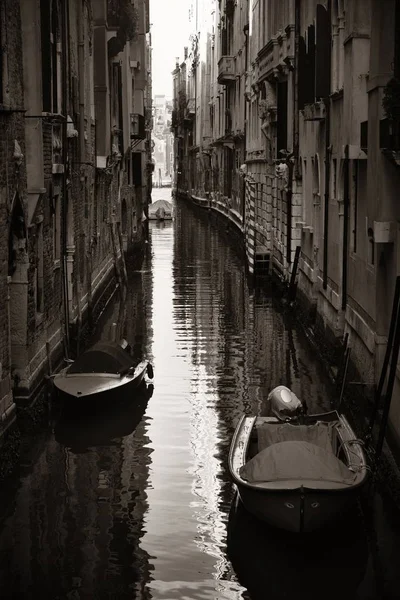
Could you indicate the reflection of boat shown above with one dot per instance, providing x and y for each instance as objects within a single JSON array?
[
  {"x": 297, "y": 473},
  {"x": 275, "y": 564},
  {"x": 160, "y": 210},
  {"x": 101, "y": 428},
  {"x": 104, "y": 368}
]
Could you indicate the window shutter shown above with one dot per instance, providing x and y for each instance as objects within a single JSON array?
[{"x": 323, "y": 54}]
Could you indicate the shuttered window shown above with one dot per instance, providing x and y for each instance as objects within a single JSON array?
[{"x": 322, "y": 54}]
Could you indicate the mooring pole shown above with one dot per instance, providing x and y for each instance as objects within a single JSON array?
[
  {"x": 343, "y": 382},
  {"x": 389, "y": 390},
  {"x": 382, "y": 378},
  {"x": 292, "y": 284}
]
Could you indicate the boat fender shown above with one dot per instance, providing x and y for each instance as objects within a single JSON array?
[{"x": 150, "y": 371}]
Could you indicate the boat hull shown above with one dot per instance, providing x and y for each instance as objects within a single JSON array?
[
  {"x": 98, "y": 387},
  {"x": 165, "y": 218},
  {"x": 296, "y": 511}
]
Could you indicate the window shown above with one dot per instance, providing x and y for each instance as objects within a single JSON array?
[
  {"x": 322, "y": 54},
  {"x": 128, "y": 168},
  {"x": 316, "y": 177},
  {"x": 137, "y": 168},
  {"x": 39, "y": 269},
  {"x": 282, "y": 101},
  {"x": 353, "y": 204},
  {"x": 333, "y": 179},
  {"x": 124, "y": 218},
  {"x": 51, "y": 56}
]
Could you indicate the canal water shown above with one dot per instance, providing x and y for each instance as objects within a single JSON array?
[{"x": 135, "y": 501}]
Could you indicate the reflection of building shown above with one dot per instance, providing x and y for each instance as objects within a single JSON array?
[
  {"x": 88, "y": 484},
  {"x": 95, "y": 506},
  {"x": 162, "y": 141},
  {"x": 75, "y": 120}
]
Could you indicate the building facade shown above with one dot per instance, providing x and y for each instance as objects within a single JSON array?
[
  {"x": 294, "y": 137},
  {"x": 75, "y": 119},
  {"x": 162, "y": 141}
]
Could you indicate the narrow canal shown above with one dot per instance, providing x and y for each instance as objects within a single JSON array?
[{"x": 136, "y": 502}]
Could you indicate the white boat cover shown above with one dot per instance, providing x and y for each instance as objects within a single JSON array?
[
  {"x": 296, "y": 460},
  {"x": 320, "y": 434}
]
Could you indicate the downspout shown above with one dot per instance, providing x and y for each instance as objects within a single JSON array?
[
  {"x": 246, "y": 52},
  {"x": 296, "y": 90},
  {"x": 64, "y": 207},
  {"x": 327, "y": 171},
  {"x": 326, "y": 195},
  {"x": 346, "y": 198},
  {"x": 81, "y": 67},
  {"x": 289, "y": 194},
  {"x": 82, "y": 159},
  {"x": 293, "y": 163}
]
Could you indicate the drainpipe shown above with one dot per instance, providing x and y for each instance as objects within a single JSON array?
[
  {"x": 81, "y": 67},
  {"x": 327, "y": 170},
  {"x": 326, "y": 195},
  {"x": 64, "y": 207},
  {"x": 246, "y": 52},
  {"x": 293, "y": 162},
  {"x": 82, "y": 158},
  {"x": 346, "y": 202},
  {"x": 296, "y": 89},
  {"x": 289, "y": 194}
]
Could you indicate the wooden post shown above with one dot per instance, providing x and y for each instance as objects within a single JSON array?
[
  {"x": 121, "y": 245},
  {"x": 382, "y": 378},
  {"x": 389, "y": 390},
  {"x": 115, "y": 253},
  {"x": 48, "y": 353},
  {"x": 292, "y": 284}
]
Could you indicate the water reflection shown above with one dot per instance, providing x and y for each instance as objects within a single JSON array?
[
  {"x": 105, "y": 427},
  {"x": 273, "y": 565}
]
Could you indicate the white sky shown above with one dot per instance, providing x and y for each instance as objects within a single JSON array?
[{"x": 169, "y": 35}]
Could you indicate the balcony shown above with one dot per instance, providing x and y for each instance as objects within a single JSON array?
[
  {"x": 190, "y": 108},
  {"x": 226, "y": 70},
  {"x": 137, "y": 127}
]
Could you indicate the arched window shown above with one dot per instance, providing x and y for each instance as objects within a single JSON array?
[
  {"x": 316, "y": 180},
  {"x": 16, "y": 237}
]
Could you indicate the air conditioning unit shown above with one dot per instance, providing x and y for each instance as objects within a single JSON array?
[{"x": 384, "y": 232}]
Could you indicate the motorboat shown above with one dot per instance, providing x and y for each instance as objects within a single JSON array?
[
  {"x": 103, "y": 369},
  {"x": 160, "y": 210},
  {"x": 293, "y": 470}
]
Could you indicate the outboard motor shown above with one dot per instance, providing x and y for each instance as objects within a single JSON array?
[{"x": 284, "y": 404}]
